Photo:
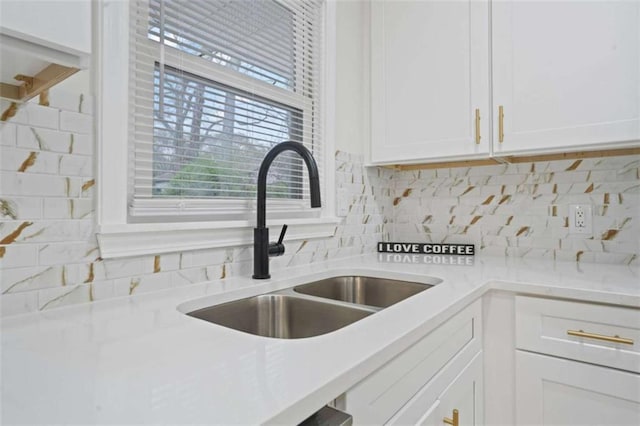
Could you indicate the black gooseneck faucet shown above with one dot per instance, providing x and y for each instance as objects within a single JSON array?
[{"x": 262, "y": 249}]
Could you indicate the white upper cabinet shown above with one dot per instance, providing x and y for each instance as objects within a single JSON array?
[
  {"x": 59, "y": 24},
  {"x": 56, "y": 30},
  {"x": 41, "y": 44},
  {"x": 430, "y": 72},
  {"x": 567, "y": 74}
]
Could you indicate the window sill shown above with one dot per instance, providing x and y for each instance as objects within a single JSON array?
[{"x": 116, "y": 241}]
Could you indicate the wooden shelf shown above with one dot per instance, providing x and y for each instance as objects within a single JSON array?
[
  {"x": 32, "y": 86},
  {"x": 511, "y": 159}
]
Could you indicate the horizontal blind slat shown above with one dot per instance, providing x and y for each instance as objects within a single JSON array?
[
  {"x": 186, "y": 126},
  {"x": 145, "y": 56}
]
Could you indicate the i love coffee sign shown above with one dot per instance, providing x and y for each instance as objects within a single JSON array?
[{"x": 427, "y": 248}]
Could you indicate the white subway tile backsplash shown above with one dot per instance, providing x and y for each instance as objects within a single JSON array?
[
  {"x": 66, "y": 252},
  {"x": 167, "y": 262},
  {"x": 20, "y": 208},
  {"x": 128, "y": 267},
  {"x": 68, "y": 208},
  {"x": 103, "y": 289},
  {"x": 618, "y": 258},
  {"x": 506, "y": 210},
  {"x": 93, "y": 270},
  {"x": 64, "y": 296},
  {"x": 76, "y": 122},
  {"x": 629, "y": 246},
  {"x": 25, "y": 161},
  {"x": 37, "y": 115},
  {"x": 190, "y": 276},
  {"x": 75, "y": 165},
  {"x": 521, "y": 209},
  {"x": 243, "y": 253},
  {"x": 206, "y": 257},
  {"x": 81, "y": 144},
  {"x": 66, "y": 100},
  {"x": 8, "y": 134},
  {"x": 15, "y": 280},
  {"x": 43, "y": 139},
  {"x": 244, "y": 268},
  {"x": 33, "y": 138},
  {"x": 48, "y": 231},
  {"x": 33, "y": 185},
  {"x": 18, "y": 303},
  {"x": 143, "y": 283},
  {"x": 16, "y": 256}
]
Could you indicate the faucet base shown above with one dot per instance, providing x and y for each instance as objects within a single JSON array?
[
  {"x": 261, "y": 254},
  {"x": 261, "y": 277}
]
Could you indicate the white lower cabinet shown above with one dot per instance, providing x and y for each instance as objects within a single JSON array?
[
  {"x": 423, "y": 384},
  {"x": 546, "y": 362},
  {"x": 460, "y": 404},
  {"x": 555, "y": 391},
  {"x": 576, "y": 363}
]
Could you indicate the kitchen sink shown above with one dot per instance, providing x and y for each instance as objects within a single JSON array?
[
  {"x": 314, "y": 308},
  {"x": 282, "y": 316},
  {"x": 378, "y": 292}
]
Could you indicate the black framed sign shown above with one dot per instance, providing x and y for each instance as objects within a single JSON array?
[{"x": 427, "y": 248}]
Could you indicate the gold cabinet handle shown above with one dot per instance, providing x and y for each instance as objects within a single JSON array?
[
  {"x": 478, "y": 126},
  {"x": 454, "y": 421},
  {"x": 614, "y": 339},
  {"x": 501, "y": 123}
]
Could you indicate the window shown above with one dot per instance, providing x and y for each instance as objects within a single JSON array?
[
  {"x": 211, "y": 86},
  {"x": 209, "y": 139},
  {"x": 224, "y": 81}
]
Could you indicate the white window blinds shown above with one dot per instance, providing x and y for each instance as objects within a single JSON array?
[{"x": 214, "y": 85}]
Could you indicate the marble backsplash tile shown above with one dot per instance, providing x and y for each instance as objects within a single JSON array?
[
  {"x": 48, "y": 252},
  {"x": 522, "y": 209},
  {"x": 49, "y": 255}
]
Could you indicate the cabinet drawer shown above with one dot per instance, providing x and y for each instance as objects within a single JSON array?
[
  {"x": 550, "y": 326},
  {"x": 379, "y": 396},
  {"x": 462, "y": 386},
  {"x": 554, "y": 391}
]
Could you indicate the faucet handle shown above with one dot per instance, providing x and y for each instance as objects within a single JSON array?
[
  {"x": 282, "y": 232},
  {"x": 277, "y": 249}
]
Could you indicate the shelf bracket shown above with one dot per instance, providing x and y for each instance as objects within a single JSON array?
[
  {"x": 27, "y": 80},
  {"x": 33, "y": 86},
  {"x": 9, "y": 112}
]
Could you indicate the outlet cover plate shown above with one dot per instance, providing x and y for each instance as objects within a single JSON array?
[{"x": 580, "y": 219}]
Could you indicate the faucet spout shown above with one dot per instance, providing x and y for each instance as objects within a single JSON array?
[{"x": 261, "y": 249}]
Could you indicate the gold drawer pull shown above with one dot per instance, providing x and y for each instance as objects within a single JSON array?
[
  {"x": 454, "y": 421},
  {"x": 501, "y": 124},
  {"x": 478, "y": 126},
  {"x": 614, "y": 339}
]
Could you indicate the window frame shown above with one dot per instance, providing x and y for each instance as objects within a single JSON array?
[{"x": 118, "y": 235}]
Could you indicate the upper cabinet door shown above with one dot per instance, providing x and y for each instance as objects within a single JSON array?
[
  {"x": 430, "y": 72},
  {"x": 57, "y": 24},
  {"x": 567, "y": 74}
]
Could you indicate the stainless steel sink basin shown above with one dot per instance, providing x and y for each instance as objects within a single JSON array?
[
  {"x": 370, "y": 291},
  {"x": 282, "y": 316},
  {"x": 312, "y": 309}
]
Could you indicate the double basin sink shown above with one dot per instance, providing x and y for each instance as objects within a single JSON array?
[{"x": 312, "y": 309}]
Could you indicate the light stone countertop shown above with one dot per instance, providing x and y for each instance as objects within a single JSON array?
[{"x": 138, "y": 360}]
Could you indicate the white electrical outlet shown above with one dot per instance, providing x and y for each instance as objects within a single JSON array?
[{"x": 580, "y": 219}]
